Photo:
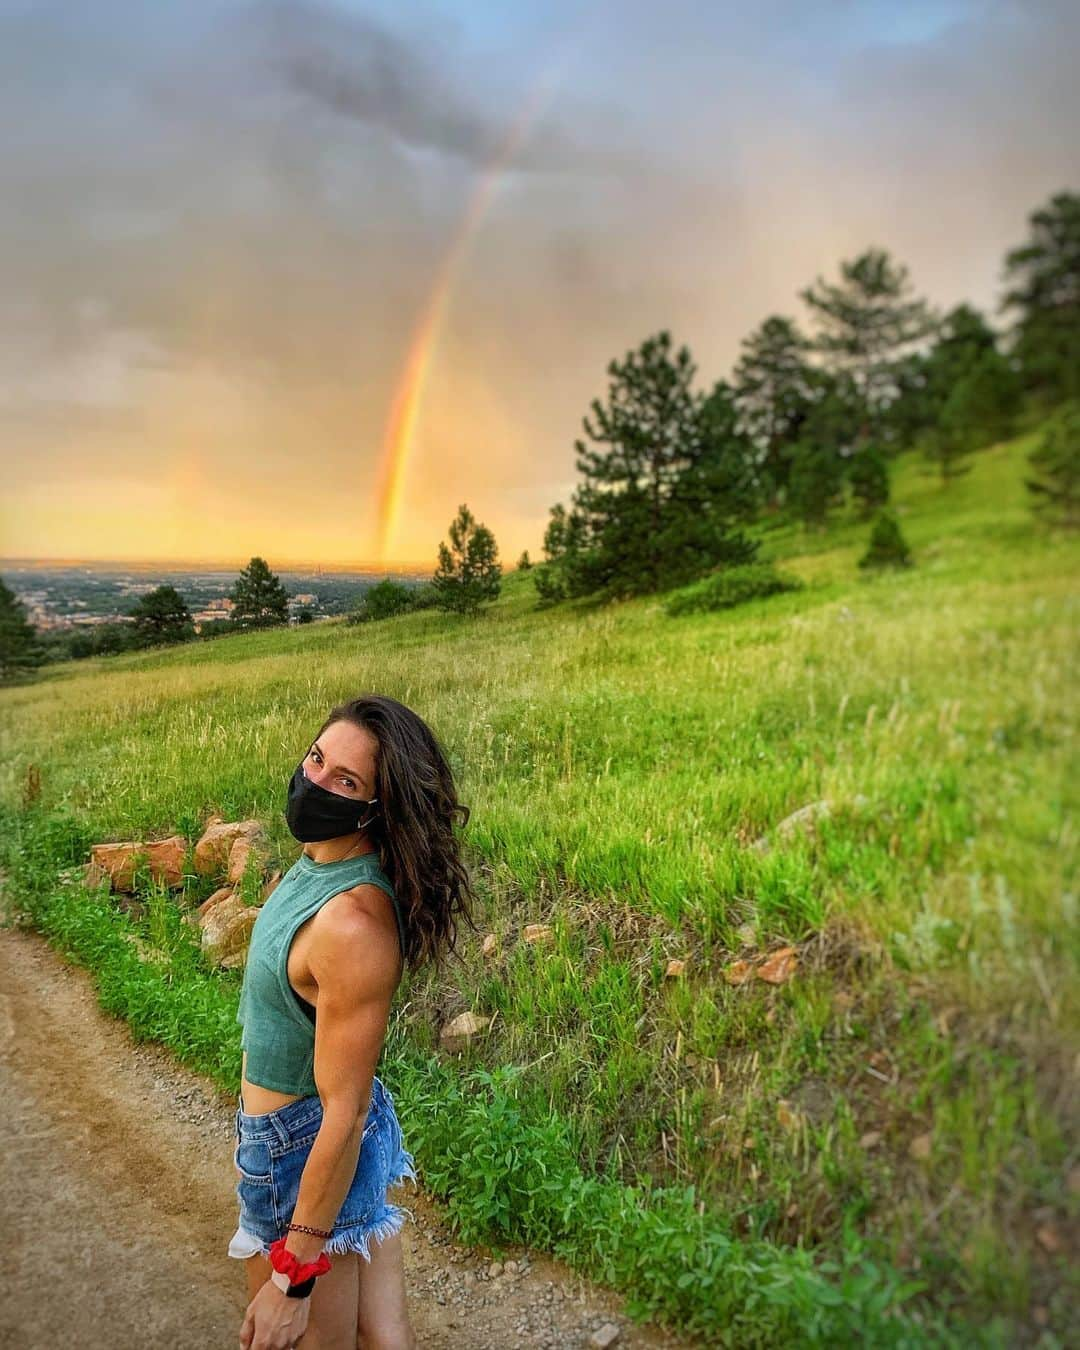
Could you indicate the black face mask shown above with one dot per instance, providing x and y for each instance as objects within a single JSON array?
[{"x": 313, "y": 814}]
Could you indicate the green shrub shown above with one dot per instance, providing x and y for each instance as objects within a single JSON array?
[
  {"x": 731, "y": 586},
  {"x": 383, "y": 601},
  {"x": 888, "y": 547}
]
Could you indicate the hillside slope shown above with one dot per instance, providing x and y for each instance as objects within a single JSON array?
[{"x": 912, "y": 1086}]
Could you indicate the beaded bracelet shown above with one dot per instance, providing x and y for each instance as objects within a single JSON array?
[{"x": 303, "y": 1228}]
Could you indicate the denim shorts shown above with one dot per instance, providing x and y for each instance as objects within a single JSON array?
[{"x": 270, "y": 1152}]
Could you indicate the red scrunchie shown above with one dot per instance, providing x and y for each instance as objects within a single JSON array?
[{"x": 289, "y": 1264}]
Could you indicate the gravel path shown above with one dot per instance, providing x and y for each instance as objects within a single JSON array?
[{"x": 112, "y": 1147}]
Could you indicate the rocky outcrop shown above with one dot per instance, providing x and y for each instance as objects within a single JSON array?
[
  {"x": 118, "y": 862},
  {"x": 226, "y": 928},
  {"x": 214, "y": 851},
  {"x": 227, "y": 849}
]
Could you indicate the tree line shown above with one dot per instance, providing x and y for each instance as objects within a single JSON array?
[{"x": 671, "y": 476}]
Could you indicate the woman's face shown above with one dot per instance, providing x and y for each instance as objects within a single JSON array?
[{"x": 342, "y": 760}]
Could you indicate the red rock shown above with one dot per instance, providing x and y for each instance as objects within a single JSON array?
[{"x": 778, "y": 966}]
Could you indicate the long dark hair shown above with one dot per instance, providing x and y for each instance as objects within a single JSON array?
[{"x": 413, "y": 830}]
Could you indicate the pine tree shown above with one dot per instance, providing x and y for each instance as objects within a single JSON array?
[
  {"x": 162, "y": 616},
  {"x": 984, "y": 400},
  {"x": 259, "y": 599},
  {"x": 468, "y": 573},
  {"x": 948, "y": 446},
  {"x": 868, "y": 473},
  {"x": 817, "y": 482},
  {"x": 20, "y": 650},
  {"x": 1043, "y": 275},
  {"x": 887, "y": 547},
  {"x": 867, "y": 323},
  {"x": 524, "y": 562},
  {"x": 772, "y": 393},
  {"x": 966, "y": 350},
  {"x": 1056, "y": 461},
  {"x": 652, "y": 510},
  {"x": 821, "y": 456},
  {"x": 963, "y": 340},
  {"x": 563, "y": 538}
]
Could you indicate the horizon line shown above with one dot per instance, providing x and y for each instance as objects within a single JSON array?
[{"x": 339, "y": 563}]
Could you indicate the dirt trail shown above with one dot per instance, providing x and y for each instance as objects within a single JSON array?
[{"x": 111, "y": 1146}]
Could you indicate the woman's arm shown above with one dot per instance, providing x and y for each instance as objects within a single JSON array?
[{"x": 355, "y": 967}]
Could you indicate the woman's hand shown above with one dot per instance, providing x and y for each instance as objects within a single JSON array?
[{"x": 274, "y": 1321}]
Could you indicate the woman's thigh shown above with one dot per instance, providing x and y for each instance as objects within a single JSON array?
[
  {"x": 332, "y": 1315},
  {"x": 382, "y": 1318}
]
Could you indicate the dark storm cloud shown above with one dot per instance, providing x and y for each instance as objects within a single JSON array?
[
  {"x": 266, "y": 191},
  {"x": 360, "y": 70}
]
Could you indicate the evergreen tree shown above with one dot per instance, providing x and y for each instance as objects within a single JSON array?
[
  {"x": 524, "y": 562},
  {"x": 964, "y": 339},
  {"x": 981, "y": 406},
  {"x": 867, "y": 324},
  {"x": 563, "y": 538},
  {"x": 913, "y": 409},
  {"x": 162, "y": 616},
  {"x": 259, "y": 599},
  {"x": 721, "y": 484},
  {"x": 1056, "y": 461},
  {"x": 887, "y": 547},
  {"x": 1043, "y": 276},
  {"x": 822, "y": 454},
  {"x": 772, "y": 393},
  {"x": 649, "y": 513},
  {"x": 953, "y": 439},
  {"x": 868, "y": 474},
  {"x": 565, "y": 532},
  {"x": 817, "y": 482},
  {"x": 468, "y": 573},
  {"x": 965, "y": 350},
  {"x": 20, "y": 650}
]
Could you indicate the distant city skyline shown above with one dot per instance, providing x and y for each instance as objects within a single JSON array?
[{"x": 296, "y": 279}]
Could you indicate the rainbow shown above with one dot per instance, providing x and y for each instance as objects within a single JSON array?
[{"x": 400, "y": 429}]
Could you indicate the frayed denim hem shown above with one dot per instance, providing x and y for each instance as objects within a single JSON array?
[
  {"x": 408, "y": 1169},
  {"x": 391, "y": 1221}
]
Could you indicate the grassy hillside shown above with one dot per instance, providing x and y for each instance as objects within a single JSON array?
[{"x": 907, "y": 1099}]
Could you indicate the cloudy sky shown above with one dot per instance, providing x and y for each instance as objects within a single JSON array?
[{"x": 221, "y": 224}]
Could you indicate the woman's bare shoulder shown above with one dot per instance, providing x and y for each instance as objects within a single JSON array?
[{"x": 362, "y": 916}]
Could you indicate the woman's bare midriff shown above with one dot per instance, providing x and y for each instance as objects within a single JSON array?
[{"x": 256, "y": 1100}]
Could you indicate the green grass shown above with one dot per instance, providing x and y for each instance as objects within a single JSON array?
[{"x": 619, "y": 764}]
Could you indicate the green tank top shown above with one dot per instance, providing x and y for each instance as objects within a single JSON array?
[{"x": 278, "y": 1025}]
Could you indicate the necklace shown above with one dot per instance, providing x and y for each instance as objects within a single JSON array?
[
  {"x": 351, "y": 850},
  {"x": 343, "y": 856}
]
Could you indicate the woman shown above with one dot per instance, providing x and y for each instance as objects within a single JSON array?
[{"x": 318, "y": 1142}]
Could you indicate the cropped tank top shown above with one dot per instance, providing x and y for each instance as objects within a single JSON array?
[{"x": 278, "y": 1025}]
